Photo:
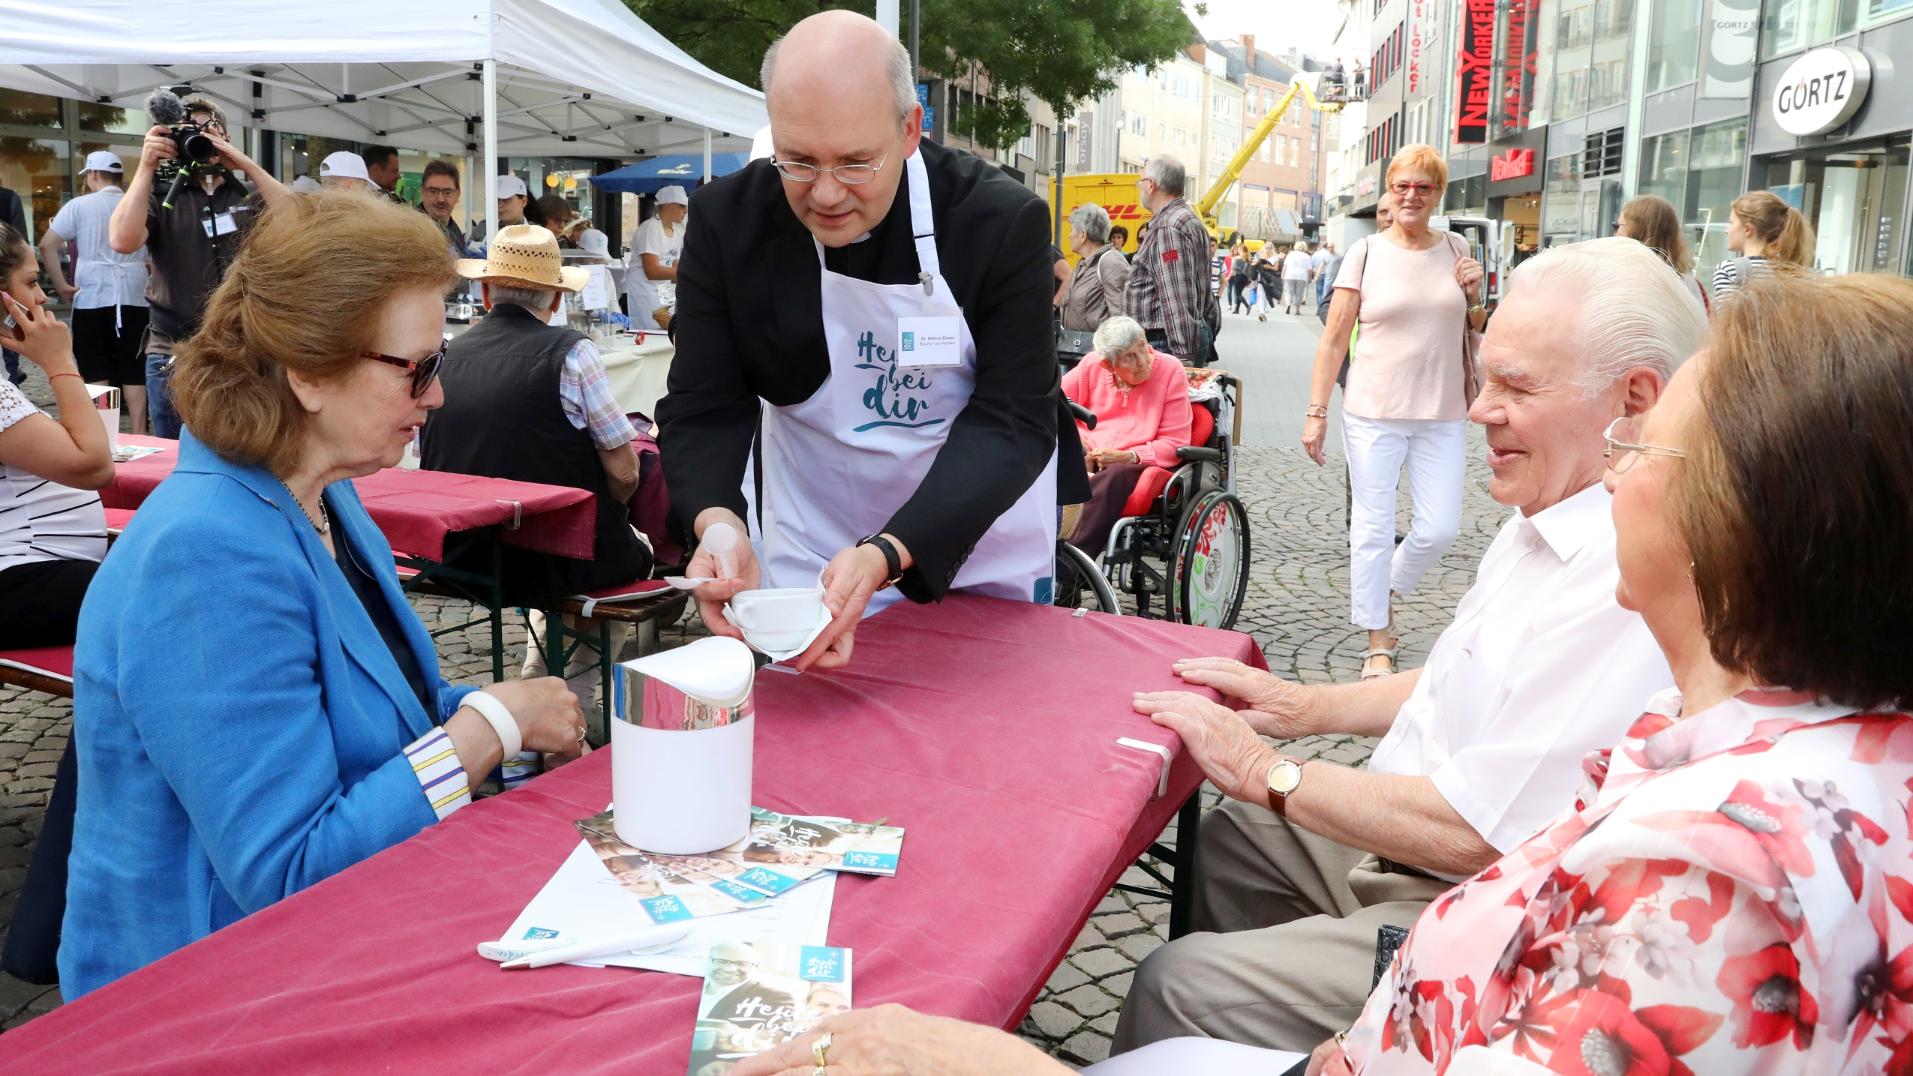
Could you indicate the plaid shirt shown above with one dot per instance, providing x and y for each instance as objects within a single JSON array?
[
  {"x": 584, "y": 389},
  {"x": 1169, "y": 287}
]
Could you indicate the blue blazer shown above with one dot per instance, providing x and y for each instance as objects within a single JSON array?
[{"x": 239, "y": 721}]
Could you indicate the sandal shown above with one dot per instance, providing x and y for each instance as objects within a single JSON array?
[{"x": 1378, "y": 652}]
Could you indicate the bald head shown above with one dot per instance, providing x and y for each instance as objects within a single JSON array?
[
  {"x": 844, "y": 119},
  {"x": 838, "y": 54}
]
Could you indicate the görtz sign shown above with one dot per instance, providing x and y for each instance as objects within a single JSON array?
[{"x": 1820, "y": 91}]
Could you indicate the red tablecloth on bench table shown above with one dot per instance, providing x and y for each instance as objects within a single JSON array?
[
  {"x": 987, "y": 728},
  {"x": 417, "y": 509}
]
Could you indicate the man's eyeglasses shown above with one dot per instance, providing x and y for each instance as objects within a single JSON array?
[
  {"x": 1404, "y": 187},
  {"x": 442, "y": 192},
  {"x": 424, "y": 371},
  {"x": 1624, "y": 445},
  {"x": 850, "y": 174}
]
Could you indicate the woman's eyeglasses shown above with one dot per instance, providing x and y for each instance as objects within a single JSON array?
[
  {"x": 424, "y": 371},
  {"x": 1404, "y": 188},
  {"x": 1624, "y": 445}
]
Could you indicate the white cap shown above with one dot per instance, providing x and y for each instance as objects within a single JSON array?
[
  {"x": 595, "y": 242},
  {"x": 104, "y": 160},
  {"x": 673, "y": 195},
  {"x": 511, "y": 187},
  {"x": 344, "y": 164},
  {"x": 305, "y": 185}
]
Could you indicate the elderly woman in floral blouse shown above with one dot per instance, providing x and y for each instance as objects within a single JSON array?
[{"x": 1734, "y": 891}]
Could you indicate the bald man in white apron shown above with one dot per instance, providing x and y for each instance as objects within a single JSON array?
[{"x": 875, "y": 309}]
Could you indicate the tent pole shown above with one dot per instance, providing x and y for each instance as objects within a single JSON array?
[
  {"x": 489, "y": 78},
  {"x": 707, "y": 154}
]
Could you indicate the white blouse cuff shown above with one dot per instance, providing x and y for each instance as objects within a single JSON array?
[{"x": 440, "y": 777}]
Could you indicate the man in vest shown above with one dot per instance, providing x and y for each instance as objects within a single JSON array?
[
  {"x": 884, "y": 304},
  {"x": 531, "y": 402}
]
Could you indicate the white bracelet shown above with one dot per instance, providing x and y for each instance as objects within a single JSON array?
[{"x": 489, "y": 708}]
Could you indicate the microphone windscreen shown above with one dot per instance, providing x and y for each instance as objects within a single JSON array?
[{"x": 165, "y": 107}]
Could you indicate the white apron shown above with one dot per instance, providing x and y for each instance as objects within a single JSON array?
[
  {"x": 644, "y": 295},
  {"x": 838, "y": 465}
]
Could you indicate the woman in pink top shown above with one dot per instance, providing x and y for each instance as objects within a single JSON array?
[
  {"x": 1140, "y": 397},
  {"x": 1412, "y": 289}
]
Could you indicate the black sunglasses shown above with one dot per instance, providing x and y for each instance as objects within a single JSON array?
[{"x": 424, "y": 371}]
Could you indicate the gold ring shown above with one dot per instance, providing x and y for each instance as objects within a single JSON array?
[{"x": 820, "y": 1048}]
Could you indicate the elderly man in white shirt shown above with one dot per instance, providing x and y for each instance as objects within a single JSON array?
[
  {"x": 108, "y": 289},
  {"x": 1482, "y": 746}
]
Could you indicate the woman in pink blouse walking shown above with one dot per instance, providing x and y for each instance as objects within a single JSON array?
[
  {"x": 1140, "y": 397},
  {"x": 1734, "y": 892}
]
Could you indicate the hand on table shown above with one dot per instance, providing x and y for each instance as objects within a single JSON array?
[
  {"x": 546, "y": 712},
  {"x": 1221, "y": 741},
  {"x": 891, "y": 1040},
  {"x": 850, "y": 580},
  {"x": 1271, "y": 705},
  {"x": 744, "y": 573},
  {"x": 1099, "y": 458}
]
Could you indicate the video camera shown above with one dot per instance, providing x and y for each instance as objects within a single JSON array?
[{"x": 196, "y": 150}]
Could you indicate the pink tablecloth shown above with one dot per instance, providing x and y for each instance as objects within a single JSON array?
[
  {"x": 988, "y": 728},
  {"x": 417, "y": 509}
]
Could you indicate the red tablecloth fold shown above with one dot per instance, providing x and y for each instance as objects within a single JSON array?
[
  {"x": 56, "y": 661},
  {"x": 417, "y": 509},
  {"x": 987, "y": 728}
]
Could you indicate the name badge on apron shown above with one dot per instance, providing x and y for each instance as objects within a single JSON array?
[{"x": 929, "y": 341}]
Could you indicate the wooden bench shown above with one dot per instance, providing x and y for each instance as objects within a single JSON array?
[{"x": 44, "y": 668}]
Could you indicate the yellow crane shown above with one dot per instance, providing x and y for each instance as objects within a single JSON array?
[{"x": 1116, "y": 191}]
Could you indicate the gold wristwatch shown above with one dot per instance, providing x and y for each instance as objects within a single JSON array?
[{"x": 1285, "y": 776}]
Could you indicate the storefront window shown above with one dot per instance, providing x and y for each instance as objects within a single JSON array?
[
  {"x": 1854, "y": 197},
  {"x": 1664, "y": 167},
  {"x": 1789, "y": 25},
  {"x": 19, "y": 109},
  {"x": 1561, "y": 201},
  {"x": 1673, "y": 46},
  {"x": 35, "y": 169},
  {"x": 113, "y": 119},
  {"x": 1713, "y": 182},
  {"x": 1882, "y": 10}
]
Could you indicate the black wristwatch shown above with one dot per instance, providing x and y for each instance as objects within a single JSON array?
[{"x": 892, "y": 560}]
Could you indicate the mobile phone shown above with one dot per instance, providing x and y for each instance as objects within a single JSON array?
[{"x": 13, "y": 327}]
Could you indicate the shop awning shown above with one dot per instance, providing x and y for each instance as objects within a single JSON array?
[{"x": 685, "y": 169}]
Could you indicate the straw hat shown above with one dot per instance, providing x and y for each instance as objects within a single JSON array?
[{"x": 524, "y": 256}]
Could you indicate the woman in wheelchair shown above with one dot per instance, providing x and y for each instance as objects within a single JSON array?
[{"x": 1140, "y": 397}]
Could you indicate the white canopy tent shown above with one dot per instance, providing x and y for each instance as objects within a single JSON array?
[{"x": 485, "y": 78}]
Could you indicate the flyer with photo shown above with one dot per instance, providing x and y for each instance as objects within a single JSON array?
[
  {"x": 665, "y": 897},
  {"x": 829, "y": 843},
  {"x": 759, "y": 994}
]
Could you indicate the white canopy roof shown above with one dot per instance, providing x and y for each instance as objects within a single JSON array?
[{"x": 583, "y": 78}]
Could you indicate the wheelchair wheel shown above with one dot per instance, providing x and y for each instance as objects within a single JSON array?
[
  {"x": 1077, "y": 578},
  {"x": 1209, "y": 574}
]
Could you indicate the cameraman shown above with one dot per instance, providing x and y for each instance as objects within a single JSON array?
[{"x": 190, "y": 245}]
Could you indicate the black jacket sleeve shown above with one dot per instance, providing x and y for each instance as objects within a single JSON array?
[
  {"x": 708, "y": 418},
  {"x": 1003, "y": 437}
]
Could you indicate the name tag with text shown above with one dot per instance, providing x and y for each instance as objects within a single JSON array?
[{"x": 930, "y": 341}]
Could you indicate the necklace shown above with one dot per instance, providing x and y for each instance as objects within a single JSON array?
[{"x": 323, "y": 522}]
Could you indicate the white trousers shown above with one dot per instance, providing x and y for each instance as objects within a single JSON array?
[{"x": 1436, "y": 453}]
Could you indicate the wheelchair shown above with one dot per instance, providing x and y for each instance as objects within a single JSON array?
[{"x": 1181, "y": 549}]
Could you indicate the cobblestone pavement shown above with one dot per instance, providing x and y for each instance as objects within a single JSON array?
[{"x": 1297, "y": 610}]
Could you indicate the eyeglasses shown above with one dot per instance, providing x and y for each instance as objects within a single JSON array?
[
  {"x": 1403, "y": 188},
  {"x": 446, "y": 192},
  {"x": 1624, "y": 445},
  {"x": 850, "y": 174},
  {"x": 424, "y": 371}
]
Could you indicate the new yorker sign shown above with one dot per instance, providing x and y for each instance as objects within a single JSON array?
[{"x": 1820, "y": 91}]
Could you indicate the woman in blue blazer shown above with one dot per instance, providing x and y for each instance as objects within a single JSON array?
[{"x": 256, "y": 707}]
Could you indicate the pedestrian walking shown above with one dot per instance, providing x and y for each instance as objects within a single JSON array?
[
  {"x": 1295, "y": 279},
  {"x": 1764, "y": 232},
  {"x": 1417, "y": 296},
  {"x": 1652, "y": 221}
]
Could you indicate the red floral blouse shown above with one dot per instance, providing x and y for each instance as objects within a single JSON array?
[{"x": 1733, "y": 893}]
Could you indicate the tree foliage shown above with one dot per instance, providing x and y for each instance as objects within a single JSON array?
[{"x": 1060, "y": 51}]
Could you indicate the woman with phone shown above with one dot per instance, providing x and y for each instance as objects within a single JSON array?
[{"x": 52, "y": 528}]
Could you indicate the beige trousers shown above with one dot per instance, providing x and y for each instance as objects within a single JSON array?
[{"x": 1283, "y": 949}]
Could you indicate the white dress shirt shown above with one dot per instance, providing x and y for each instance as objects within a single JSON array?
[
  {"x": 1540, "y": 667},
  {"x": 102, "y": 277}
]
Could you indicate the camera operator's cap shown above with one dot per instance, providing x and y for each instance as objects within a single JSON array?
[
  {"x": 103, "y": 160},
  {"x": 344, "y": 164},
  {"x": 511, "y": 187},
  {"x": 524, "y": 256},
  {"x": 673, "y": 195}
]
